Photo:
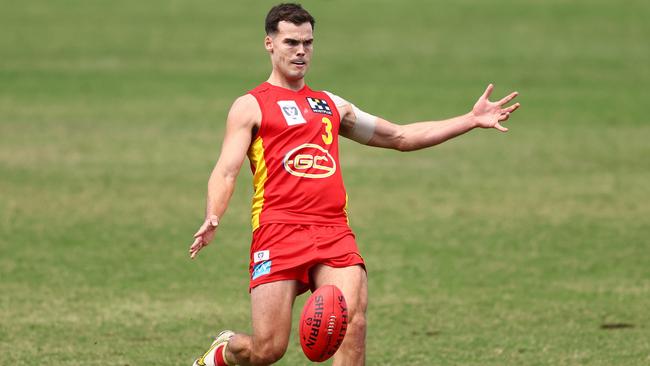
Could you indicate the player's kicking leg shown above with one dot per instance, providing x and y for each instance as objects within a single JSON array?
[
  {"x": 353, "y": 282},
  {"x": 271, "y": 305}
]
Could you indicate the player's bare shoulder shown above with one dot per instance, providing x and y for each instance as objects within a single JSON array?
[{"x": 245, "y": 113}]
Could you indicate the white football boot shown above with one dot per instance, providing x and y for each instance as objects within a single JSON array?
[{"x": 208, "y": 358}]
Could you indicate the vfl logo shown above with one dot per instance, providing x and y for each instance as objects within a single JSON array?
[
  {"x": 291, "y": 112},
  {"x": 262, "y": 255},
  {"x": 309, "y": 161}
]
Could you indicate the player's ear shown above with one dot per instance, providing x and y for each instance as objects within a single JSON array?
[{"x": 268, "y": 43}]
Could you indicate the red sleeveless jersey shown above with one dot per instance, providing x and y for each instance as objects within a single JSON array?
[{"x": 295, "y": 159}]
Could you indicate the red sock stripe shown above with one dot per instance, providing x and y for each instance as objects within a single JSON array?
[{"x": 218, "y": 356}]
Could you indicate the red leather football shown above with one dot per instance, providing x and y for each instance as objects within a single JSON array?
[{"x": 323, "y": 323}]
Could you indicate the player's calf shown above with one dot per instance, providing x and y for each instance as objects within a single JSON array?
[{"x": 266, "y": 355}]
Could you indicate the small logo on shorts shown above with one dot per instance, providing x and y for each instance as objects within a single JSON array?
[
  {"x": 262, "y": 255},
  {"x": 260, "y": 269}
]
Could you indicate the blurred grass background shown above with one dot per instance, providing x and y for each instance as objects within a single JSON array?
[{"x": 525, "y": 248}]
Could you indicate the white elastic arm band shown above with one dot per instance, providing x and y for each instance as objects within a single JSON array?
[{"x": 364, "y": 125}]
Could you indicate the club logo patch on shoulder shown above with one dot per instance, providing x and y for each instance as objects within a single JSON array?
[
  {"x": 319, "y": 106},
  {"x": 291, "y": 112}
]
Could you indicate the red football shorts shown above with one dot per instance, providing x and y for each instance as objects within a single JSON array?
[{"x": 289, "y": 251}]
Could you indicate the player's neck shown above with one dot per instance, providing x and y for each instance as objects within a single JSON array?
[{"x": 282, "y": 82}]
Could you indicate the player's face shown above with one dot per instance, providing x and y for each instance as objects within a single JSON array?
[{"x": 291, "y": 49}]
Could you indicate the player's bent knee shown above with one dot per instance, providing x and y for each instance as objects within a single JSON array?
[
  {"x": 358, "y": 321},
  {"x": 354, "y": 344},
  {"x": 357, "y": 318},
  {"x": 357, "y": 329}
]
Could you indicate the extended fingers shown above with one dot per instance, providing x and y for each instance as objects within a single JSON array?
[
  {"x": 488, "y": 91},
  {"x": 209, "y": 223},
  {"x": 196, "y": 246},
  {"x": 511, "y": 109},
  {"x": 200, "y": 239},
  {"x": 202, "y": 230},
  {"x": 501, "y": 128},
  {"x": 507, "y": 98}
]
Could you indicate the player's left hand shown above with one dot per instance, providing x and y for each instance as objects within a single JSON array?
[{"x": 489, "y": 114}]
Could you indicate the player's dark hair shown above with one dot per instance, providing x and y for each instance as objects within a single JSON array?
[{"x": 288, "y": 12}]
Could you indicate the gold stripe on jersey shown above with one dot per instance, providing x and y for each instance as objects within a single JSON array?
[
  {"x": 345, "y": 209},
  {"x": 256, "y": 156}
]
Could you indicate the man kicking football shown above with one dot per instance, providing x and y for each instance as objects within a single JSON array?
[{"x": 301, "y": 238}]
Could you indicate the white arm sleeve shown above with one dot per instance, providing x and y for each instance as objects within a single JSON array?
[{"x": 364, "y": 125}]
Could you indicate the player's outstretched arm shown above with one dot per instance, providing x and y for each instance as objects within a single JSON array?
[
  {"x": 242, "y": 119},
  {"x": 379, "y": 132}
]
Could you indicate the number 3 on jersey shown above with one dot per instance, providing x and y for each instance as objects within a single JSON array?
[{"x": 327, "y": 137}]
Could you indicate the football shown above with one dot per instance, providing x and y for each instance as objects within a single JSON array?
[{"x": 323, "y": 323}]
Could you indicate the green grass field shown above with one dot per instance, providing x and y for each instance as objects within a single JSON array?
[{"x": 525, "y": 248}]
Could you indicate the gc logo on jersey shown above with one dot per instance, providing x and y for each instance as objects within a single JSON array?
[
  {"x": 309, "y": 161},
  {"x": 319, "y": 106}
]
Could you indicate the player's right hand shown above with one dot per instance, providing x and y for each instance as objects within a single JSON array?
[{"x": 204, "y": 235}]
